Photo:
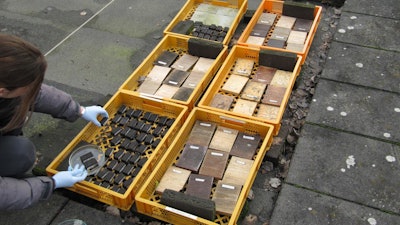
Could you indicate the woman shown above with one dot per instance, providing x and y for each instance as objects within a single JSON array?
[{"x": 22, "y": 69}]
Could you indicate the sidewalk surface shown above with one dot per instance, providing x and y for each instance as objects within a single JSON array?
[{"x": 346, "y": 165}]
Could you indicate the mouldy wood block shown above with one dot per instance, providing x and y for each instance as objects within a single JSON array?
[
  {"x": 267, "y": 18},
  {"x": 243, "y": 67},
  {"x": 281, "y": 78},
  {"x": 235, "y": 84},
  {"x": 158, "y": 73},
  {"x": 280, "y": 33},
  {"x": 225, "y": 197},
  {"x": 245, "y": 145},
  {"x": 268, "y": 112},
  {"x": 149, "y": 87},
  {"x": 199, "y": 185},
  {"x": 253, "y": 91},
  {"x": 166, "y": 58},
  {"x": 274, "y": 95},
  {"x": 303, "y": 25},
  {"x": 260, "y": 30},
  {"x": 193, "y": 79},
  {"x": 286, "y": 22},
  {"x": 176, "y": 77},
  {"x": 204, "y": 208},
  {"x": 278, "y": 59},
  {"x": 264, "y": 74},
  {"x": 185, "y": 62},
  {"x": 204, "y": 48},
  {"x": 214, "y": 163},
  {"x": 183, "y": 27},
  {"x": 276, "y": 43},
  {"x": 295, "y": 47},
  {"x": 201, "y": 133},
  {"x": 183, "y": 93},
  {"x": 223, "y": 139},
  {"x": 297, "y": 37},
  {"x": 191, "y": 157},
  {"x": 203, "y": 65},
  {"x": 166, "y": 91},
  {"x": 298, "y": 10},
  {"x": 174, "y": 178},
  {"x": 245, "y": 107},
  {"x": 238, "y": 170},
  {"x": 221, "y": 101},
  {"x": 255, "y": 40}
]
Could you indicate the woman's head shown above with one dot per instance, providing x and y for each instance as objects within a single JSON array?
[{"x": 22, "y": 69}]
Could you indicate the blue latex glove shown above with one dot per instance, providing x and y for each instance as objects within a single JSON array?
[
  {"x": 90, "y": 114},
  {"x": 69, "y": 178}
]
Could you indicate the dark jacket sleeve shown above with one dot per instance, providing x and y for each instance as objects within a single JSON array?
[
  {"x": 22, "y": 193},
  {"x": 57, "y": 103}
]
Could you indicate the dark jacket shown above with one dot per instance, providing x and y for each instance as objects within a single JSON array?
[{"x": 22, "y": 193}]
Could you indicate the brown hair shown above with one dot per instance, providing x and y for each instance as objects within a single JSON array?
[{"x": 21, "y": 65}]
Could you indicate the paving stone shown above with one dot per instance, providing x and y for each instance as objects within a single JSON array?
[
  {"x": 74, "y": 63},
  {"x": 324, "y": 164},
  {"x": 46, "y": 210},
  {"x": 53, "y": 18},
  {"x": 75, "y": 210},
  {"x": 356, "y": 109},
  {"x": 302, "y": 207},
  {"x": 363, "y": 66},
  {"x": 384, "y": 8},
  {"x": 368, "y": 31}
]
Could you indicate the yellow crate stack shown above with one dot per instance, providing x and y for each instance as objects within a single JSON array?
[
  {"x": 177, "y": 44},
  {"x": 147, "y": 202},
  {"x": 100, "y": 136},
  {"x": 188, "y": 9},
  {"x": 276, "y": 7},
  {"x": 225, "y": 72}
]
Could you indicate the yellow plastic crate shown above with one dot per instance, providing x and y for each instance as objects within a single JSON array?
[
  {"x": 189, "y": 8},
  {"x": 176, "y": 44},
  {"x": 224, "y": 73},
  {"x": 100, "y": 136},
  {"x": 148, "y": 202},
  {"x": 276, "y": 6}
]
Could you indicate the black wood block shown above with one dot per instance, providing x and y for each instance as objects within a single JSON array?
[
  {"x": 204, "y": 48},
  {"x": 135, "y": 157},
  {"x": 204, "y": 208},
  {"x": 128, "y": 169},
  {"x": 158, "y": 130},
  {"x": 155, "y": 143},
  {"x": 116, "y": 131},
  {"x": 127, "y": 183},
  {"x": 116, "y": 140},
  {"x": 142, "y": 161},
  {"x": 162, "y": 120},
  {"x": 137, "y": 113},
  {"x": 111, "y": 165},
  {"x": 141, "y": 149},
  {"x": 132, "y": 146},
  {"x": 90, "y": 163},
  {"x": 119, "y": 167},
  {"x": 276, "y": 59},
  {"x": 119, "y": 178},
  {"x": 298, "y": 10},
  {"x": 109, "y": 151},
  {"x": 132, "y": 123},
  {"x": 86, "y": 156}
]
